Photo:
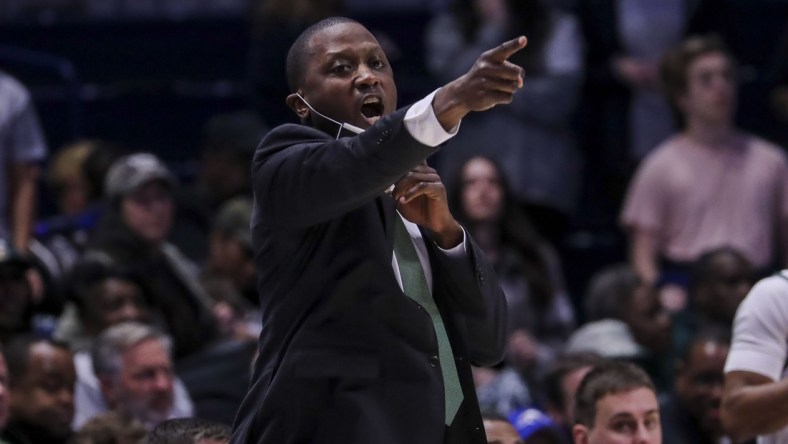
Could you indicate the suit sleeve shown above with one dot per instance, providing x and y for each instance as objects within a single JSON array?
[
  {"x": 477, "y": 303},
  {"x": 303, "y": 177}
]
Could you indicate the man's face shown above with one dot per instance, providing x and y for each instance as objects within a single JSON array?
[
  {"x": 729, "y": 282},
  {"x": 4, "y": 395},
  {"x": 44, "y": 396},
  {"x": 501, "y": 432},
  {"x": 711, "y": 90},
  {"x": 348, "y": 78},
  {"x": 699, "y": 385},
  {"x": 623, "y": 418},
  {"x": 148, "y": 211},
  {"x": 482, "y": 193},
  {"x": 114, "y": 301},
  {"x": 144, "y": 386}
]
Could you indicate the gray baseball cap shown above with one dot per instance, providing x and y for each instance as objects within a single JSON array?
[{"x": 129, "y": 173}]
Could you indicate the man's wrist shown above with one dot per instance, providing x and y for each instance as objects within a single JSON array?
[
  {"x": 448, "y": 236},
  {"x": 448, "y": 111}
]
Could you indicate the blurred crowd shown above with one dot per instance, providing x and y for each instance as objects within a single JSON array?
[{"x": 129, "y": 302}]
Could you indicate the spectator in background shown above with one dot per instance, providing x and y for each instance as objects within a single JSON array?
[
  {"x": 42, "y": 378},
  {"x": 55, "y": 240},
  {"x": 100, "y": 296},
  {"x": 616, "y": 403},
  {"x": 559, "y": 386},
  {"x": 132, "y": 365},
  {"x": 231, "y": 256},
  {"x": 618, "y": 293},
  {"x": 217, "y": 378},
  {"x": 533, "y": 144},
  {"x": 228, "y": 143},
  {"x": 132, "y": 235},
  {"x": 624, "y": 113},
  {"x": 691, "y": 413},
  {"x": 22, "y": 149},
  {"x": 111, "y": 428},
  {"x": 756, "y": 391},
  {"x": 16, "y": 298},
  {"x": 76, "y": 179},
  {"x": 710, "y": 185},
  {"x": 719, "y": 280},
  {"x": 190, "y": 431},
  {"x": 528, "y": 268}
]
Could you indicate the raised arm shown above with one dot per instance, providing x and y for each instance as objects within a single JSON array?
[{"x": 753, "y": 403}]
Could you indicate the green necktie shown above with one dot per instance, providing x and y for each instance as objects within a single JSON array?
[{"x": 415, "y": 286}]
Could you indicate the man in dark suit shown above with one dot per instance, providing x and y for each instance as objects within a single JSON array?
[{"x": 345, "y": 354}]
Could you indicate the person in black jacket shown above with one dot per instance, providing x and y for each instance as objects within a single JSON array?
[{"x": 345, "y": 355}]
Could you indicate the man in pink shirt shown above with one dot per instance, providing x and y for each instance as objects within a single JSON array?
[{"x": 710, "y": 185}]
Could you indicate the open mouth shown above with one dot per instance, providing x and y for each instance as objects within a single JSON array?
[{"x": 372, "y": 109}]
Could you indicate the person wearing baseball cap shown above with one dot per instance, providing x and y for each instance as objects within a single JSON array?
[{"x": 133, "y": 234}]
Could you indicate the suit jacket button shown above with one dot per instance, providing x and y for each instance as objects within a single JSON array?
[{"x": 434, "y": 361}]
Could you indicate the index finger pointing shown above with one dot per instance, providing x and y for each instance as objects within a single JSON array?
[{"x": 506, "y": 49}]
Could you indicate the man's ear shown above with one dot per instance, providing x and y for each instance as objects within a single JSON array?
[
  {"x": 580, "y": 434},
  {"x": 298, "y": 105}
]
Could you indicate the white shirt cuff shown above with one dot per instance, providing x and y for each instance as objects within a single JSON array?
[
  {"x": 423, "y": 125},
  {"x": 455, "y": 252}
]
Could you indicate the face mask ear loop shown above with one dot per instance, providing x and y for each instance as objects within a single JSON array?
[{"x": 341, "y": 125}]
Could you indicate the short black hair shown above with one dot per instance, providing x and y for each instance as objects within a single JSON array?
[
  {"x": 552, "y": 382},
  {"x": 189, "y": 431},
  {"x": 700, "y": 270},
  {"x": 296, "y": 56},
  {"x": 88, "y": 273},
  {"x": 709, "y": 332},
  {"x": 610, "y": 378},
  {"x": 17, "y": 353}
]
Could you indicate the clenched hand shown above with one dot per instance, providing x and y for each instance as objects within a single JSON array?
[{"x": 421, "y": 198}]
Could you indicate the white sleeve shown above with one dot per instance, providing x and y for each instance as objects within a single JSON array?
[
  {"x": 423, "y": 125},
  {"x": 760, "y": 330}
]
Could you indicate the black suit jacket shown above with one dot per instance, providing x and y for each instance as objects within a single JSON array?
[{"x": 345, "y": 355}]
